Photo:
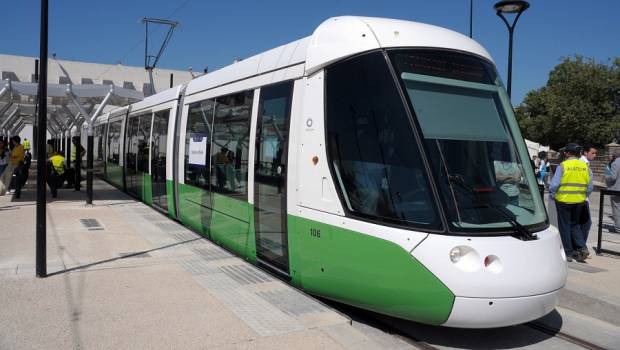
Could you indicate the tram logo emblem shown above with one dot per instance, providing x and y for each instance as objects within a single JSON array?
[{"x": 309, "y": 122}]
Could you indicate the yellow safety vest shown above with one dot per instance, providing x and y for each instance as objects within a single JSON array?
[
  {"x": 574, "y": 182},
  {"x": 26, "y": 144},
  {"x": 58, "y": 162}
]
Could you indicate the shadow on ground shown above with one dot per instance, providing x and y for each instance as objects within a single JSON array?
[{"x": 459, "y": 338}]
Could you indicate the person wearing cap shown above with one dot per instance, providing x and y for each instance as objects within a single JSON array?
[{"x": 570, "y": 186}]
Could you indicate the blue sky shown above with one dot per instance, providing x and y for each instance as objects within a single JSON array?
[{"x": 214, "y": 33}]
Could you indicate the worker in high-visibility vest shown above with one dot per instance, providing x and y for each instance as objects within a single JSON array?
[
  {"x": 570, "y": 186},
  {"x": 26, "y": 145},
  {"x": 56, "y": 174}
]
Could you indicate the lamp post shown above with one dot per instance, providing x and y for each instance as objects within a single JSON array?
[{"x": 510, "y": 6}]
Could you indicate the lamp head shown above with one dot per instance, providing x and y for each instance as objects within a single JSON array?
[{"x": 511, "y": 6}]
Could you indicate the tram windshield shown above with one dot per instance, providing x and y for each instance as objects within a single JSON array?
[{"x": 468, "y": 127}]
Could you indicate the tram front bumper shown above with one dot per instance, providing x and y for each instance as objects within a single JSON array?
[{"x": 500, "y": 312}]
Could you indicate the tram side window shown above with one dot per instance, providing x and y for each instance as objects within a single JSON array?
[
  {"x": 372, "y": 147},
  {"x": 113, "y": 146},
  {"x": 231, "y": 139},
  {"x": 99, "y": 135},
  {"x": 198, "y": 143},
  {"x": 143, "y": 136}
]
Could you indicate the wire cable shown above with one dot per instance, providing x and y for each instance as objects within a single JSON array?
[{"x": 130, "y": 50}]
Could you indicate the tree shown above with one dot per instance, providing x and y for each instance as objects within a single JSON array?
[{"x": 580, "y": 103}]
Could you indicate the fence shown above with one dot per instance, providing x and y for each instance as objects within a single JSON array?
[{"x": 599, "y": 248}]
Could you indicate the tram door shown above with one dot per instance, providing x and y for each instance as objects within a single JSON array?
[
  {"x": 131, "y": 155},
  {"x": 158, "y": 159},
  {"x": 270, "y": 170},
  {"x": 137, "y": 153}
]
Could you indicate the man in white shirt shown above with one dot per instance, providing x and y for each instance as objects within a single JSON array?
[{"x": 588, "y": 154}]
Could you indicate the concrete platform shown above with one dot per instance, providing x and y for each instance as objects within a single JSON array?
[
  {"x": 124, "y": 276},
  {"x": 136, "y": 280}
]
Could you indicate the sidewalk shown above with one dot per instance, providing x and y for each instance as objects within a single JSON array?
[
  {"x": 592, "y": 287},
  {"x": 123, "y": 276}
]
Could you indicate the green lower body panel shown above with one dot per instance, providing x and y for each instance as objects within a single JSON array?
[
  {"x": 114, "y": 174},
  {"x": 194, "y": 208},
  {"x": 224, "y": 219},
  {"x": 229, "y": 223},
  {"x": 146, "y": 190},
  {"x": 365, "y": 271},
  {"x": 170, "y": 199}
]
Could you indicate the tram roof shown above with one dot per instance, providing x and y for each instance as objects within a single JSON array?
[{"x": 338, "y": 38}]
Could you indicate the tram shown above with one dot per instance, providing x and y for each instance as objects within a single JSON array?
[{"x": 376, "y": 162}]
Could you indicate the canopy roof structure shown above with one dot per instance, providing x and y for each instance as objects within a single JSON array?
[{"x": 69, "y": 105}]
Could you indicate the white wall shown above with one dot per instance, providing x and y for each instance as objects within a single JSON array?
[{"x": 23, "y": 67}]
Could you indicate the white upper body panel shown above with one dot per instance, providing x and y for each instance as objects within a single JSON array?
[
  {"x": 339, "y": 37},
  {"x": 157, "y": 99},
  {"x": 336, "y": 39},
  {"x": 278, "y": 58}
]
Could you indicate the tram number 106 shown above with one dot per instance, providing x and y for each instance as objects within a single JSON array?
[{"x": 315, "y": 232}]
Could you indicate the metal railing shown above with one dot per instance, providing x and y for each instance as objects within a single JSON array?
[{"x": 599, "y": 248}]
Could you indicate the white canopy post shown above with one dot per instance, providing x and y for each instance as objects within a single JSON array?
[
  {"x": 5, "y": 126},
  {"x": 16, "y": 126},
  {"x": 5, "y": 88},
  {"x": 5, "y": 108},
  {"x": 90, "y": 144}
]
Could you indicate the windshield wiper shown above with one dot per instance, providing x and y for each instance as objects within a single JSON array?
[{"x": 520, "y": 232}]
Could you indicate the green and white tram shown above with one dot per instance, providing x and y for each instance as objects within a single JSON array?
[{"x": 377, "y": 163}]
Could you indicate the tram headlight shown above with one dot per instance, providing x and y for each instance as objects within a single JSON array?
[
  {"x": 455, "y": 254},
  {"x": 465, "y": 258}
]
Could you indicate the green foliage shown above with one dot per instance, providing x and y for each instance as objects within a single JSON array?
[{"x": 580, "y": 103}]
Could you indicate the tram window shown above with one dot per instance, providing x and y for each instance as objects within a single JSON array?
[
  {"x": 231, "y": 139},
  {"x": 476, "y": 163},
  {"x": 114, "y": 137},
  {"x": 99, "y": 135},
  {"x": 198, "y": 143},
  {"x": 158, "y": 145},
  {"x": 142, "y": 138},
  {"x": 372, "y": 147},
  {"x": 447, "y": 65},
  {"x": 131, "y": 145}
]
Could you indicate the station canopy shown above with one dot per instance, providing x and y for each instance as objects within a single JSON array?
[{"x": 68, "y": 105}]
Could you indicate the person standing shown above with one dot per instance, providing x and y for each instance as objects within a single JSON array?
[
  {"x": 26, "y": 144},
  {"x": 587, "y": 155},
  {"x": 543, "y": 168},
  {"x": 49, "y": 148},
  {"x": 570, "y": 186},
  {"x": 17, "y": 162},
  {"x": 612, "y": 179},
  {"x": 5, "y": 181},
  {"x": 56, "y": 173},
  {"x": 76, "y": 150}
]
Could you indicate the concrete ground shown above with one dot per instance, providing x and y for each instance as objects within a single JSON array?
[
  {"x": 137, "y": 280},
  {"x": 123, "y": 276}
]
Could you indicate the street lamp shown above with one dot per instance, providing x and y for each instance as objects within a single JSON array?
[{"x": 510, "y": 6}]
